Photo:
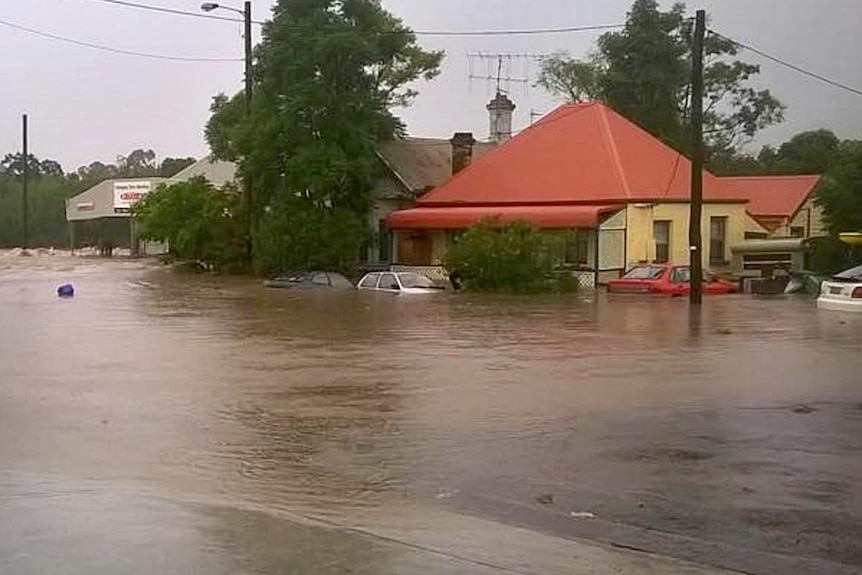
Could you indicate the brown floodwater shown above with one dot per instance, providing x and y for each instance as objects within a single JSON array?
[{"x": 737, "y": 433}]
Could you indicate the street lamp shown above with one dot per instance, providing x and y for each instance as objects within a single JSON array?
[{"x": 246, "y": 14}]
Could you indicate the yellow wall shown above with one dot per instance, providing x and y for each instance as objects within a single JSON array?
[
  {"x": 810, "y": 217},
  {"x": 640, "y": 246}
]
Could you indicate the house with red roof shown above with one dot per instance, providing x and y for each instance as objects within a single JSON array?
[{"x": 620, "y": 195}]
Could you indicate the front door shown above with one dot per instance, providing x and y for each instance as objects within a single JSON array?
[{"x": 414, "y": 249}]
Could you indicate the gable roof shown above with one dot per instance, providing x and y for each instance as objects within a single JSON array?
[
  {"x": 423, "y": 163},
  {"x": 579, "y": 153},
  {"x": 218, "y": 172},
  {"x": 772, "y": 195}
]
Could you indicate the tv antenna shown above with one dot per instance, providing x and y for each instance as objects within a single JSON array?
[{"x": 501, "y": 70}]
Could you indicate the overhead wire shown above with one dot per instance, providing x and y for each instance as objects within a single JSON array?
[
  {"x": 515, "y": 32},
  {"x": 174, "y": 11},
  {"x": 114, "y": 50},
  {"x": 787, "y": 64}
]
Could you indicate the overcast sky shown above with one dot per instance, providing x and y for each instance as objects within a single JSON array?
[{"x": 87, "y": 105}]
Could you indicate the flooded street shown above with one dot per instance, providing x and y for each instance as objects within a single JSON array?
[{"x": 225, "y": 428}]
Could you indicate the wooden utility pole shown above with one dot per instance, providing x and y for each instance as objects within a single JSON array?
[
  {"x": 694, "y": 231},
  {"x": 25, "y": 176},
  {"x": 246, "y": 180}
]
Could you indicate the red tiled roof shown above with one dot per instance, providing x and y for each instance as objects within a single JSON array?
[
  {"x": 579, "y": 153},
  {"x": 771, "y": 195},
  {"x": 461, "y": 217}
]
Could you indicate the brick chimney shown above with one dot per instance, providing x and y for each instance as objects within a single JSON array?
[
  {"x": 500, "y": 112},
  {"x": 462, "y": 150}
]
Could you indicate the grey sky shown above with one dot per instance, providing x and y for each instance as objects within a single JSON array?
[{"x": 87, "y": 105}]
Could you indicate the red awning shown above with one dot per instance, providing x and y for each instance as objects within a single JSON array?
[{"x": 459, "y": 218}]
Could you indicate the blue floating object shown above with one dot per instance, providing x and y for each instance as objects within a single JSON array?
[{"x": 66, "y": 290}]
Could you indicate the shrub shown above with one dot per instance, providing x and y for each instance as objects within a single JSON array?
[{"x": 512, "y": 257}]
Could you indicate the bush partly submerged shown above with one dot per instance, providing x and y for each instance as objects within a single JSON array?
[{"x": 509, "y": 258}]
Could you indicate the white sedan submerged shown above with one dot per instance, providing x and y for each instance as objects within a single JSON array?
[
  {"x": 397, "y": 282},
  {"x": 842, "y": 292}
]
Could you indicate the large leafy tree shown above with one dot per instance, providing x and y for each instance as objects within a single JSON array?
[
  {"x": 840, "y": 194},
  {"x": 196, "y": 220},
  {"x": 47, "y": 192},
  {"x": 806, "y": 153},
  {"x": 328, "y": 74},
  {"x": 643, "y": 72}
]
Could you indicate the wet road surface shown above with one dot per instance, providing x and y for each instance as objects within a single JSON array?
[{"x": 194, "y": 410}]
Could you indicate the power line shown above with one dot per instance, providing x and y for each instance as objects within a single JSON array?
[
  {"x": 517, "y": 32},
  {"x": 174, "y": 11},
  {"x": 114, "y": 50},
  {"x": 789, "y": 65},
  {"x": 522, "y": 32}
]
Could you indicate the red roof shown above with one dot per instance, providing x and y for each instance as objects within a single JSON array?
[
  {"x": 772, "y": 195},
  {"x": 579, "y": 153},
  {"x": 460, "y": 217}
]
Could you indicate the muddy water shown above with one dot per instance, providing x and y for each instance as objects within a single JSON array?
[{"x": 735, "y": 432}]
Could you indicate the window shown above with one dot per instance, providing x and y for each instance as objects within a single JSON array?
[
  {"x": 645, "y": 273},
  {"x": 578, "y": 249},
  {"x": 369, "y": 281},
  {"x": 680, "y": 276},
  {"x": 797, "y": 231},
  {"x": 388, "y": 281},
  {"x": 756, "y": 235},
  {"x": 717, "y": 239},
  {"x": 320, "y": 279},
  {"x": 414, "y": 280},
  {"x": 661, "y": 235},
  {"x": 385, "y": 253}
]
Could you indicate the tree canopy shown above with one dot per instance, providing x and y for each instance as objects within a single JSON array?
[
  {"x": 840, "y": 194},
  {"x": 643, "y": 72},
  {"x": 327, "y": 76},
  {"x": 196, "y": 220}
]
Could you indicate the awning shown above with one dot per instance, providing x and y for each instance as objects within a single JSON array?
[
  {"x": 462, "y": 217},
  {"x": 777, "y": 245}
]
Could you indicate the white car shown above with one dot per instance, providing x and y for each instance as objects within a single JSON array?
[
  {"x": 842, "y": 292},
  {"x": 398, "y": 282}
]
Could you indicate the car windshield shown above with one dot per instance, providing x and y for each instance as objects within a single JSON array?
[
  {"x": 644, "y": 273},
  {"x": 851, "y": 275},
  {"x": 414, "y": 280}
]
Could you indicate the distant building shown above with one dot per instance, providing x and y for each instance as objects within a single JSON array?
[{"x": 101, "y": 216}]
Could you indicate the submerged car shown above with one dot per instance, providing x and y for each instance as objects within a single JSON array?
[
  {"x": 842, "y": 292},
  {"x": 398, "y": 282},
  {"x": 310, "y": 280},
  {"x": 665, "y": 279}
]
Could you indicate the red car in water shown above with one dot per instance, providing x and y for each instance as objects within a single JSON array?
[{"x": 665, "y": 279}]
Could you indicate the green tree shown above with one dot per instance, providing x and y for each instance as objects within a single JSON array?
[
  {"x": 139, "y": 163},
  {"x": 172, "y": 166},
  {"x": 643, "y": 72},
  {"x": 327, "y": 75},
  {"x": 840, "y": 194},
  {"x": 198, "y": 222},
  {"x": 47, "y": 192},
  {"x": 512, "y": 258},
  {"x": 806, "y": 153}
]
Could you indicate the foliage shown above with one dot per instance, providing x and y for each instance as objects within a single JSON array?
[
  {"x": 512, "y": 257},
  {"x": 295, "y": 236},
  {"x": 840, "y": 194},
  {"x": 322, "y": 103},
  {"x": 643, "y": 72},
  {"x": 47, "y": 196},
  {"x": 170, "y": 167},
  {"x": 198, "y": 221},
  {"x": 805, "y": 153}
]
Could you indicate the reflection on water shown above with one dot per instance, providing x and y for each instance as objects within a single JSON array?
[{"x": 329, "y": 403}]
